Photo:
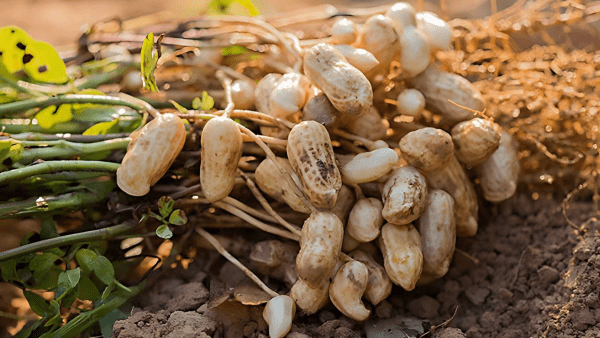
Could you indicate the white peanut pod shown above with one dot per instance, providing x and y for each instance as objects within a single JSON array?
[
  {"x": 438, "y": 233},
  {"x": 320, "y": 245},
  {"x": 221, "y": 143},
  {"x": 402, "y": 256},
  {"x": 369, "y": 125},
  {"x": 263, "y": 91},
  {"x": 379, "y": 285},
  {"x": 440, "y": 87},
  {"x": 311, "y": 155},
  {"x": 380, "y": 37},
  {"x": 347, "y": 289},
  {"x": 437, "y": 30},
  {"x": 242, "y": 94},
  {"x": 415, "y": 53},
  {"x": 403, "y": 13},
  {"x": 360, "y": 58},
  {"x": 411, "y": 102},
  {"x": 427, "y": 149},
  {"x": 152, "y": 150},
  {"x": 346, "y": 87},
  {"x": 289, "y": 95},
  {"x": 404, "y": 196},
  {"x": 365, "y": 220},
  {"x": 271, "y": 181},
  {"x": 279, "y": 314},
  {"x": 343, "y": 31},
  {"x": 310, "y": 300},
  {"x": 499, "y": 174},
  {"x": 369, "y": 166},
  {"x": 475, "y": 140},
  {"x": 453, "y": 179}
]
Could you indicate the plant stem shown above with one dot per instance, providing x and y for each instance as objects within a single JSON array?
[
  {"x": 16, "y": 126},
  {"x": 42, "y": 102},
  {"x": 61, "y": 148},
  {"x": 88, "y": 236},
  {"x": 66, "y": 137},
  {"x": 53, "y": 166}
]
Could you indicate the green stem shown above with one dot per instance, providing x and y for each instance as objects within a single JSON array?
[
  {"x": 15, "y": 85},
  {"x": 16, "y": 126},
  {"x": 61, "y": 149},
  {"x": 83, "y": 237},
  {"x": 66, "y": 137},
  {"x": 53, "y": 166},
  {"x": 42, "y": 102}
]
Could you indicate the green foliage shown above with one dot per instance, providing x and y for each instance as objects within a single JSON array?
[
  {"x": 205, "y": 103},
  {"x": 163, "y": 231},
  {"x": 222, "y": 7},
  {"x": 10, "y": 152},
  {"x": 233, "y": 50},
  {"x": 149, "y": 60},
  {"x": 168, "y": 216},
  {"x": 179, "y": 107}
]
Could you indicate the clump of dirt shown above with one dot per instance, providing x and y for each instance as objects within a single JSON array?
[{"x": 526, "y": 273}]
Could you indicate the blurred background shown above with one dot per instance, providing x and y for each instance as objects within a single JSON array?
[{"x": 61, "y": 21}]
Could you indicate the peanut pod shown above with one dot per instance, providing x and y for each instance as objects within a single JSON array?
[
  {"x": 402, "y": 256},
  {"x": 404, "y": 196}
]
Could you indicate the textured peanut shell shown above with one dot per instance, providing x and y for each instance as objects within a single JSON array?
[
  {"x": 263, "y": 91},
  {"x": 311, "y": 156},
  {"x": 369, "y": 125},
  {"x": 475, "y": 140},
  {"x": 344, "y": 203},
  {"x": 438, "y": 233},
  {"x": 380, "y": 37},
  {"x": 279, "y": 314},
  {"x": 310, "y": 300},
  {"x": 271, "y": 181},
  {"x": 379, "y": 285},
  {"x": 499, "y": 174},
  {"x": 427, "y": 149},
  {"x": 152, "y": 150},
  {"x": 404, "y": 196},
  {"x": 221, "y": 143},
  {"x": 439, "y": 87},
  {"x": 402, "y": 256},
  {"x": 365, "y": 219},
  {"x": 359, "y": 58},
  {"x": 453, "y": 180},
  {"x": 318, "y": 108},
  {"x": 369, "y": 166},
  {"x": 345, "y": 86},
  {"x": 347, "y": 289},
  {"x": 320, "y": 245}
]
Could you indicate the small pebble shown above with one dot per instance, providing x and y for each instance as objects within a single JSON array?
[{"x": 548, "y": 274}]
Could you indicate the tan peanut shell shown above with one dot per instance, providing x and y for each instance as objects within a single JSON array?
[
  {"x": 402, "y": 256},
  {"x": 438, "y": 233},
  {"x": 310, "y": 300},
  {"x": 437, "y": 30},
  {"x": 318, "y": 108},
  {"x": 403, "y": 13},
  {"x": 346, "y": 87},
  {"x": 350, "y": 243},
  {"x": 453, "y": 180},
  {"x": 380, "y": 37},
  {"x": 427, "y": 149},
  {"x": 379, "y": 285},
  {"x": 320, "y": 245},
  {"x": 279, "y": 314},
  {"x": 289, "y": 95},
  {"x": 499, "y": 174},
  {"x": 404, "y": 196},
  {"x": 439, "y": 87},
  {"x": 410, "y": 102},
  {"x": 242, "y": 94},
  {"x": 365, "y": 220},
  {"x": 311, "y": 155},
  {"x": 221, "y": 143},
  {"x": 344, "y": 203},
  {"x": 414, "y": 51},
  {"x": 359, "y": 58},
  {"x": 343, "y": 31},
  {"x": 152, "y": 150},
  {"x": 475, "y": 140},
  {"x": 369, "y": 166},
  {"x": 369, "y": 125},
  {"x": 347, "y": 289},
  {"x": 271, "y": 181},
  {"x": 263, "y": 91}
]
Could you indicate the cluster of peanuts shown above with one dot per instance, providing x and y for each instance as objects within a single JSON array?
[{"x": 380, "y": 211}]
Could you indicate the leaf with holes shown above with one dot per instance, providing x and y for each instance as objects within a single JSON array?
[
  {"x": 163, "y": 231},
  {"x": 10, "y": 152},
  {"x": 148, "y": 63},
  {"x": 178, "y": 217},
  {"x": 103, "y": 128},
  {"x": 165, "y": 206},
  {"x": 50, "y": 116},
  {"x": 13, "y": 42},
  {"x": 42, "y": 63}
]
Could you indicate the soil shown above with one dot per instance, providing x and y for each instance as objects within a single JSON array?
[{"x": 527, "y": 273}]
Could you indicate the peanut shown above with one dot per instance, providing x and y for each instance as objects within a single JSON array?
[
  {"x": 221, "y": 143},
  {"x": 415, "y": 51},
  {"x": 404, "y": 196},
  {"x": 152, "y": 150},
  {"x": 320, "y": 245},
  {"x": 344, "y": 204},
  {"x": 499, "y": 174},
  {"x": 360, "y": 58},
  {"x": 289, "y": 95},
  {"x": 271, "y": 181},
  {"x": 403, "y": 13},
  {"x": 242, "y": 94},
  {"x": 369, "y": 166},
  {"x": 475, "y": 140},
  {"x": 346, "y": 87},
  {"x": 427, "y": 149},
  {"x": 410, "y": 102},
  {"x": 437, "y": 30},
  {"x": 438, "y": 233},
  {"x": 380, "y": 37},
  {"x": 343, "y": 31},
  {"x": 402, "y": 256},
  {"x": 347, "y": 288},
  {"x": 370, "y": 125},
  {"x": 365, "y": 219},
  {"x": 310, "y": 300},
  {"x": 263, "y": 91},
  {"x": 379, "y": 285},
  {"x": 279, "y": 313},
  {"x": 311, "y": 155},
  {"x": 439, "y": 87},
  {"x": 319, "y": 108}
]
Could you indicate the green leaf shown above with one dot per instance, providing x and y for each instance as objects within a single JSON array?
[
  {"x": 42, "y": 63},
  {"x": 233, "y": 50},
  {"x": 49, "y": 229},
  {"x": 37, "y": 303},
  {"x": 206, "y": 103},
  {"x": 8, "y": 269},
  {"x": 109, "y": 288},
  {"x": 179, "y": 107},
  {"x": 104, "y": 270},
  {"x": 227, "y": 7},
  {"x": 53, "y": 313},
  {"x": 165, "y": 206},
  {"x": 163, "y": 231},
  {"x": 43, "y": 263},
  {"x": 85, "y": 259},
  {"x": 103, "y": 128},
  {"x": 13, "y": 42},
  {"x": 178, "y": 217},
  {"x": 107, "y": 322},
  {"x": 148, "y": 63},
  {"x": 69, "y": 297},
  {"x": 10, "y": 152},
  {"x": 50, "y": 116},
  {"x": 71, "y": 277}
]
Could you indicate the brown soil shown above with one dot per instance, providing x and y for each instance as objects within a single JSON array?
[{"x": 527, "y": 273}]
